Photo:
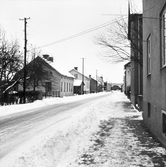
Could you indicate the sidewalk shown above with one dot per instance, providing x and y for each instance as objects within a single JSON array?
[{"x": 123, "y": 142}]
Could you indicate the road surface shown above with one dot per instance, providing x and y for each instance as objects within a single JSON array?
[{"x": 16, "y": 129}]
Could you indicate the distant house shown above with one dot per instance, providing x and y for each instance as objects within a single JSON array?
[
  {"x": 78, "y": 87},
  {"x": 154, "y": 67},
  {"x": 127, "y": 79},
  {"x": 116, "y": 87},
  {"x": 82, "y": 79},
  {"x": 135, "y": 37},
  {"x": 93, "y": 85},
  {"x": 43, "y": 76},
  {"x": 107, "y": 86},
  {"x": 100, "y": 83}
]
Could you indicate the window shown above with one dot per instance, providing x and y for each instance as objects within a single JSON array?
[
  {"x": 163, "y": 38},
  {"x": 48, "y": 86},
  {"x": 149, "y": 110},
  {"x": 76, "y": 76},
  {"x": 71, "y": 87},
  {"x": 64, "y": 87},
  {"x": 61, "y": 86},
  {"x": 164, "y": 122},
  {"x": 149, "y": 55}
]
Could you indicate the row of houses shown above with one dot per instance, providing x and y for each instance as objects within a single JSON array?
[
  {"x": 42, "y": 75},
  {"x": 145, "y": 74},
  {"x": 57, "y": 81}
]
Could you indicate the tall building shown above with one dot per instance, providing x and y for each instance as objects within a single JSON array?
[
  {"x": 135, "y": 37},
  {"x": 154, "y": 67}
]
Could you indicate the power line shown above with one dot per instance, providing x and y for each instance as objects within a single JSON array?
[
  {"x": 148, "y": 9},
  {"x": 150, "y": 28},
  {"x": 80, "y": 34}
]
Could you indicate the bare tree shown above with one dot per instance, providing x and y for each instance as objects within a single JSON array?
[
  {"x": 35, "y": 69},
  {"x": 10, "y": 58},
  {"x": 119, "y": 42}
]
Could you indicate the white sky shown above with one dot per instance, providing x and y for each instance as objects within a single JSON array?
[{"x": 53, "y": 20}]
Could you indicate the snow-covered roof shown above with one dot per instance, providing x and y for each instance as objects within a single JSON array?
[
  {"x": 77, "y": 82},
  {"x": 79, "y": 73},
  {"x": 60, "y": 68}
]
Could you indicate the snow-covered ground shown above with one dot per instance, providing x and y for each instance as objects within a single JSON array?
[{"x": 105, "y": 133}]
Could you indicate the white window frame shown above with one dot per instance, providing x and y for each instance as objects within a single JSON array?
[
  {"x": 163, "y": 129},
  {"x": 163, "y": 38},
  {"x": 61, "y": 86},
  {"x": 149, "y": 110},
  {"x": 149, "y": 54},
  {"x": 64, "y": 86}
]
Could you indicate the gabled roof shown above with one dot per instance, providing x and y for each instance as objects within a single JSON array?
[
  {"x": 79, "y": 73},
  {"x": 49, "y": 64},
  {"x": 31, "y": 64},
  {"x": 127, "y": 65},
  {"x": 61, "y": 70}
]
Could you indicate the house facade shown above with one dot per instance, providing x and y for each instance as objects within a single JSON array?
[
  {"x": 66, "y": 86},
  {"x": 66, "y": 82},
  {"x": 135, "y": 37},
  {"x": 45, "y": 78},
  {"x": 107, "y": 86},
  {"x": 93, "y": 85},
  {"x": 100, "y": 84},
  {"x": 154, "y": 67},
  {"x": 80, "y": 77}
]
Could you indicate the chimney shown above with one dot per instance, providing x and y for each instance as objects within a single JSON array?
[
  {"x": 76, "y": 68},
  {"x": 89, "y": 76},
  {"x": 50, "y": 59},
  {"x": 46, "y": 56}
]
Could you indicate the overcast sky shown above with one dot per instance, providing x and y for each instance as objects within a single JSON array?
[{"x": 66, "y": 30}]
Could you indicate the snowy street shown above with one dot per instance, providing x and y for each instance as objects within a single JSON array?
[
  {"x": 105, "y": 131},
  {"x": 18, "y": 128}
]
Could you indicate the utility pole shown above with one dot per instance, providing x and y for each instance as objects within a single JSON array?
[
  {"x": 25, "y": 52},
  {"x": 82, "y": 75}
]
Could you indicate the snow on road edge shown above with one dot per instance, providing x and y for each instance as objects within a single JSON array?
[{"x": 16, "y": 108}]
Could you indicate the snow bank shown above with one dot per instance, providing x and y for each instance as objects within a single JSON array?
[{"x": 15, "y": 108}]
